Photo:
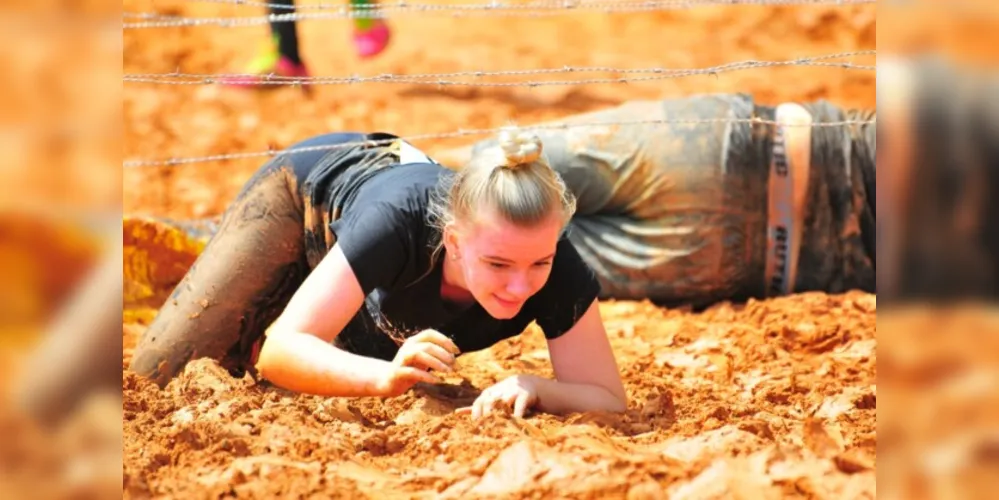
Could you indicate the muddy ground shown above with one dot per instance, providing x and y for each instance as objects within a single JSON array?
[
  {"x": 769, "y": 400},
  {"x": 763, "y": 400}
]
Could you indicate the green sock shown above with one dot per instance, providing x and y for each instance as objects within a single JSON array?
[{"x": 267, "y": 58}]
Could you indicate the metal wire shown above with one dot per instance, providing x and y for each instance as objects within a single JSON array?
[
  {"x": 478, "y": 132},
  {"x": 446, "y": 79},
  {"x": 491, "y": 9}
]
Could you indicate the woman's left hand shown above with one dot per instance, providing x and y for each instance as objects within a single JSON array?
[{"x": 519, "y": 391}]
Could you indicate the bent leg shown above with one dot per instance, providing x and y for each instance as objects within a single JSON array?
[
  {"x": 671, "y": 212},
  {"x": 286, "y": 33},
  {"x": 679, "y": 211},
  {"x": 238, "y": 285}
]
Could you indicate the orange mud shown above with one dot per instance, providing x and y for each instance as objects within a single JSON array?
[{"x": 774, "y": 399}]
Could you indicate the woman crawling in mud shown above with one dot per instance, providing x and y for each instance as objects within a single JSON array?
[
  {"x": 403, "y": 265},
  {"x": 340, "y": 254}
]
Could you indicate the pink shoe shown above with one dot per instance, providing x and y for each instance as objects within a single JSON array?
[
  {"x": 372, "y": 41},
  {"x": 267, "y": 68}
]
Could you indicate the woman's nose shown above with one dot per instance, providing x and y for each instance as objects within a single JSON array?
[{"x": 518, "y": 285}]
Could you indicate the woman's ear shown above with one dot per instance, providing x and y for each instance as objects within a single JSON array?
[{"x": 452, "y": 242}]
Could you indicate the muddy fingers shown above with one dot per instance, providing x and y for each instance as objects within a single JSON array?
[{"x": 428, "y": 350}]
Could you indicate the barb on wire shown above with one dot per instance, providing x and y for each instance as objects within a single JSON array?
[
  {"x": 490, "y": 9},
  {"x": 149, "y": 16},
  {"x": 442, "y": 79},
  {"x": 479, "y": 132}
]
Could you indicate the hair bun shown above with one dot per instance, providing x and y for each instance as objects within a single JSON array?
[{"x": 519, "y": 147}]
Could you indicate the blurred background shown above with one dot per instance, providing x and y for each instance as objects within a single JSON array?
[{"x": 60, "y": 218}]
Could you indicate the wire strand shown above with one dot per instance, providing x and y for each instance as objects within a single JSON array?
[
  {"x": 479, "y": 132},
  {"x": 491, "y": 9},
  {"x": 446, "y": 79}
]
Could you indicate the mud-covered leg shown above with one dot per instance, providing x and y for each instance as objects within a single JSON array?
[{"x": 237, "y": 286}]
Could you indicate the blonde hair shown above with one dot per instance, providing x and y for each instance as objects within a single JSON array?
[{"x": 512, "y": 177}]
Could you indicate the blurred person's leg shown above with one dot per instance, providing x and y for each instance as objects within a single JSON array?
[
  {"x": 286, "y": 33},
  {"x": 279, "y": 55}
]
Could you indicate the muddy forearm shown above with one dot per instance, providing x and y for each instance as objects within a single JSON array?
[
  {"x": 304, "y": 363},
  {"x": 561, "y": 397}
]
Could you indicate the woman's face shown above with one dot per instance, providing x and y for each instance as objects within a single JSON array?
[{"x": 502, "y": 265}]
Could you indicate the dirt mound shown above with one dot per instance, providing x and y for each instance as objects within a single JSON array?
[{"x": 768, "y": 400}]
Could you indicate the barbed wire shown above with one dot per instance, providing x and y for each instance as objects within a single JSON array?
[
  {"x": 442, "y": 79},
  {"x": 566, "y": 4},
  {"x": 490, "y": 9},
  {"x": 478, "y": 132}
]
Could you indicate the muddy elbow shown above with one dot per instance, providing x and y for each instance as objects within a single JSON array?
[{"x": 267, "y": 362}]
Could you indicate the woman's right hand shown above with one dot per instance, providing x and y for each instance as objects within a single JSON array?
[{"x": 425, "y": 351}]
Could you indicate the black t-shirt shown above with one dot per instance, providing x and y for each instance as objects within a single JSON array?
[{"x": 386, "y": 235}]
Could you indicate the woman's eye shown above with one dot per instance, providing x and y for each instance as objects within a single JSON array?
[
  {"x": 542, "y": 264},
  {"x": 497, "y": 265}
]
